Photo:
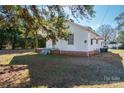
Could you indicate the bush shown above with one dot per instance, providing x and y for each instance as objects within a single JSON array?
[
  {"x": 114, "y": 47},
  {"x": 121, "y": 47},
  {"x": 41, "y": 42}
]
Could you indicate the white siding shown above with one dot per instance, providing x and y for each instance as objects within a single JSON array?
[
  {"x": 79, "y": 37},
  {"x": 94, "y": 46},
  {"x": 49, "y": 44}
]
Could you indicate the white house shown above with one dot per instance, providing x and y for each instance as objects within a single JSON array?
[
  {"x": 82, "y": 41},
  {"x": 114, "y": 45}
]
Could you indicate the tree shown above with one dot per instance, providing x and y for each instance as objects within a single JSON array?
[
  {"x": 14, "y": 35},
  {"x": 51, "y": 19},
  {"x": 120, "y": 21},
  {"x": 58, "y": 29},
  {"x": 2, "y": 34},
  {"x": 82, "y": 11},
  {"x": 2, "y": 38},
  {"x": 107, "y": 32},
  {"x": 120, "y": 37}
]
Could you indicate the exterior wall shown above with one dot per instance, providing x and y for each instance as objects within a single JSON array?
[
  {"x": 49, "y": 44},
  {"x": 79, "y": 37},
  {"x": 79, "y": 45},
  {"x": 101, "y": 43},
  {"x": 94, "y": 46}
]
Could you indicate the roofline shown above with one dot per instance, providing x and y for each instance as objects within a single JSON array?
[{"x": 87, "y": 29}]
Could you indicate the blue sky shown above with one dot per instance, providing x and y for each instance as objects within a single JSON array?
[{"x": 105, "y": 14}]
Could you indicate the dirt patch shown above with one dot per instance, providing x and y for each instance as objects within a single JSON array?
[{"x": 14, "y": 76}]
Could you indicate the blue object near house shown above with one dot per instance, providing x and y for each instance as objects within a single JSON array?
[{"x": 45, "y": 51}]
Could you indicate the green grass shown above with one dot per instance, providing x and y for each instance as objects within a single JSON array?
[
  {"x": 50, "y": 57},
  {"x": 118, "y": 51},
  {"x": 61, "y": 71},
  {"x": 7, "y": 58}
]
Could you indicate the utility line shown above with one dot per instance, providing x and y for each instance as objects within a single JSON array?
[{"x": 105, "y": 14}]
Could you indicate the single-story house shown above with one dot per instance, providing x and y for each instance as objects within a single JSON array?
[
  {"x": 114, "y": 45},
  {"x": 83, "y": 41}
]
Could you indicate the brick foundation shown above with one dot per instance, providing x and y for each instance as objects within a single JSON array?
[
  {"x": 74, "y": 53},
  {"x": 92, "y": 53},
  {"x": 38, "y": 50},
  {"x": 56, "y": 52},
  {"x": 71, "y": 53}
]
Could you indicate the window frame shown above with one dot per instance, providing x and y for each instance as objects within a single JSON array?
[
  {"x": 71, "y": 39},
  {"x": 85, "y": 41},
  {"x": 97, "y": 41},
  {"x": 91, "y": 41}
]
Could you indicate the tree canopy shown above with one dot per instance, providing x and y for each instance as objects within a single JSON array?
[
  {"x": 30, "y": 19},
  {"x": 107, "y": 32},
  {"x": 120, "y": 21}
]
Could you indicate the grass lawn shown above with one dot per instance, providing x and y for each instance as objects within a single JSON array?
[
  {"x": 119, "y": 52},
  {"x": 34, "y": 70}
]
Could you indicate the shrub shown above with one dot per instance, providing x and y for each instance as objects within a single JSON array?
[{"x": 122, "y": 46}]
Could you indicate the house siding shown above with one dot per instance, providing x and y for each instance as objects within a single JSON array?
[
  {"x": 80, "y": 35},
  {"x": 94, "y": 46}
]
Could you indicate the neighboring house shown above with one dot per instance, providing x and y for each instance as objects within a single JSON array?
[
  {"x": 82, "y": 41},
  {"x": 114, "y": 45}
]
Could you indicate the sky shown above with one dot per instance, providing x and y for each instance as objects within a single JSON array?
[{"x": 105, "y": 14}]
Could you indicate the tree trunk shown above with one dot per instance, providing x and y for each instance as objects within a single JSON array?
[
  {"x": 13, "y": 45},
  {"x": 1, "y": 43},
  {"x": 26, "y": 41},
  {"x": 105, "y": 42},
  {"x": 36, "y": 40},
  {"x": 13, "y": 42},
  {"x": 1, "y": 46}
]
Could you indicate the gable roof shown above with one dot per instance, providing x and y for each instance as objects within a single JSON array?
[{"x": 89, "y": 29}]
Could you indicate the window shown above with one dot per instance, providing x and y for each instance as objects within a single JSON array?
[
  {"x": 96, "y": 41},
  {"x": 91, "y": 41},
  {"x": 71, "y": 39},
  {"x": 85, "y": 41}
]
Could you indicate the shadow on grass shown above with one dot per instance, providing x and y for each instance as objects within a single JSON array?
[
  {"x": 9, "y": 51},
  {"x": 56, "y": 71}
]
